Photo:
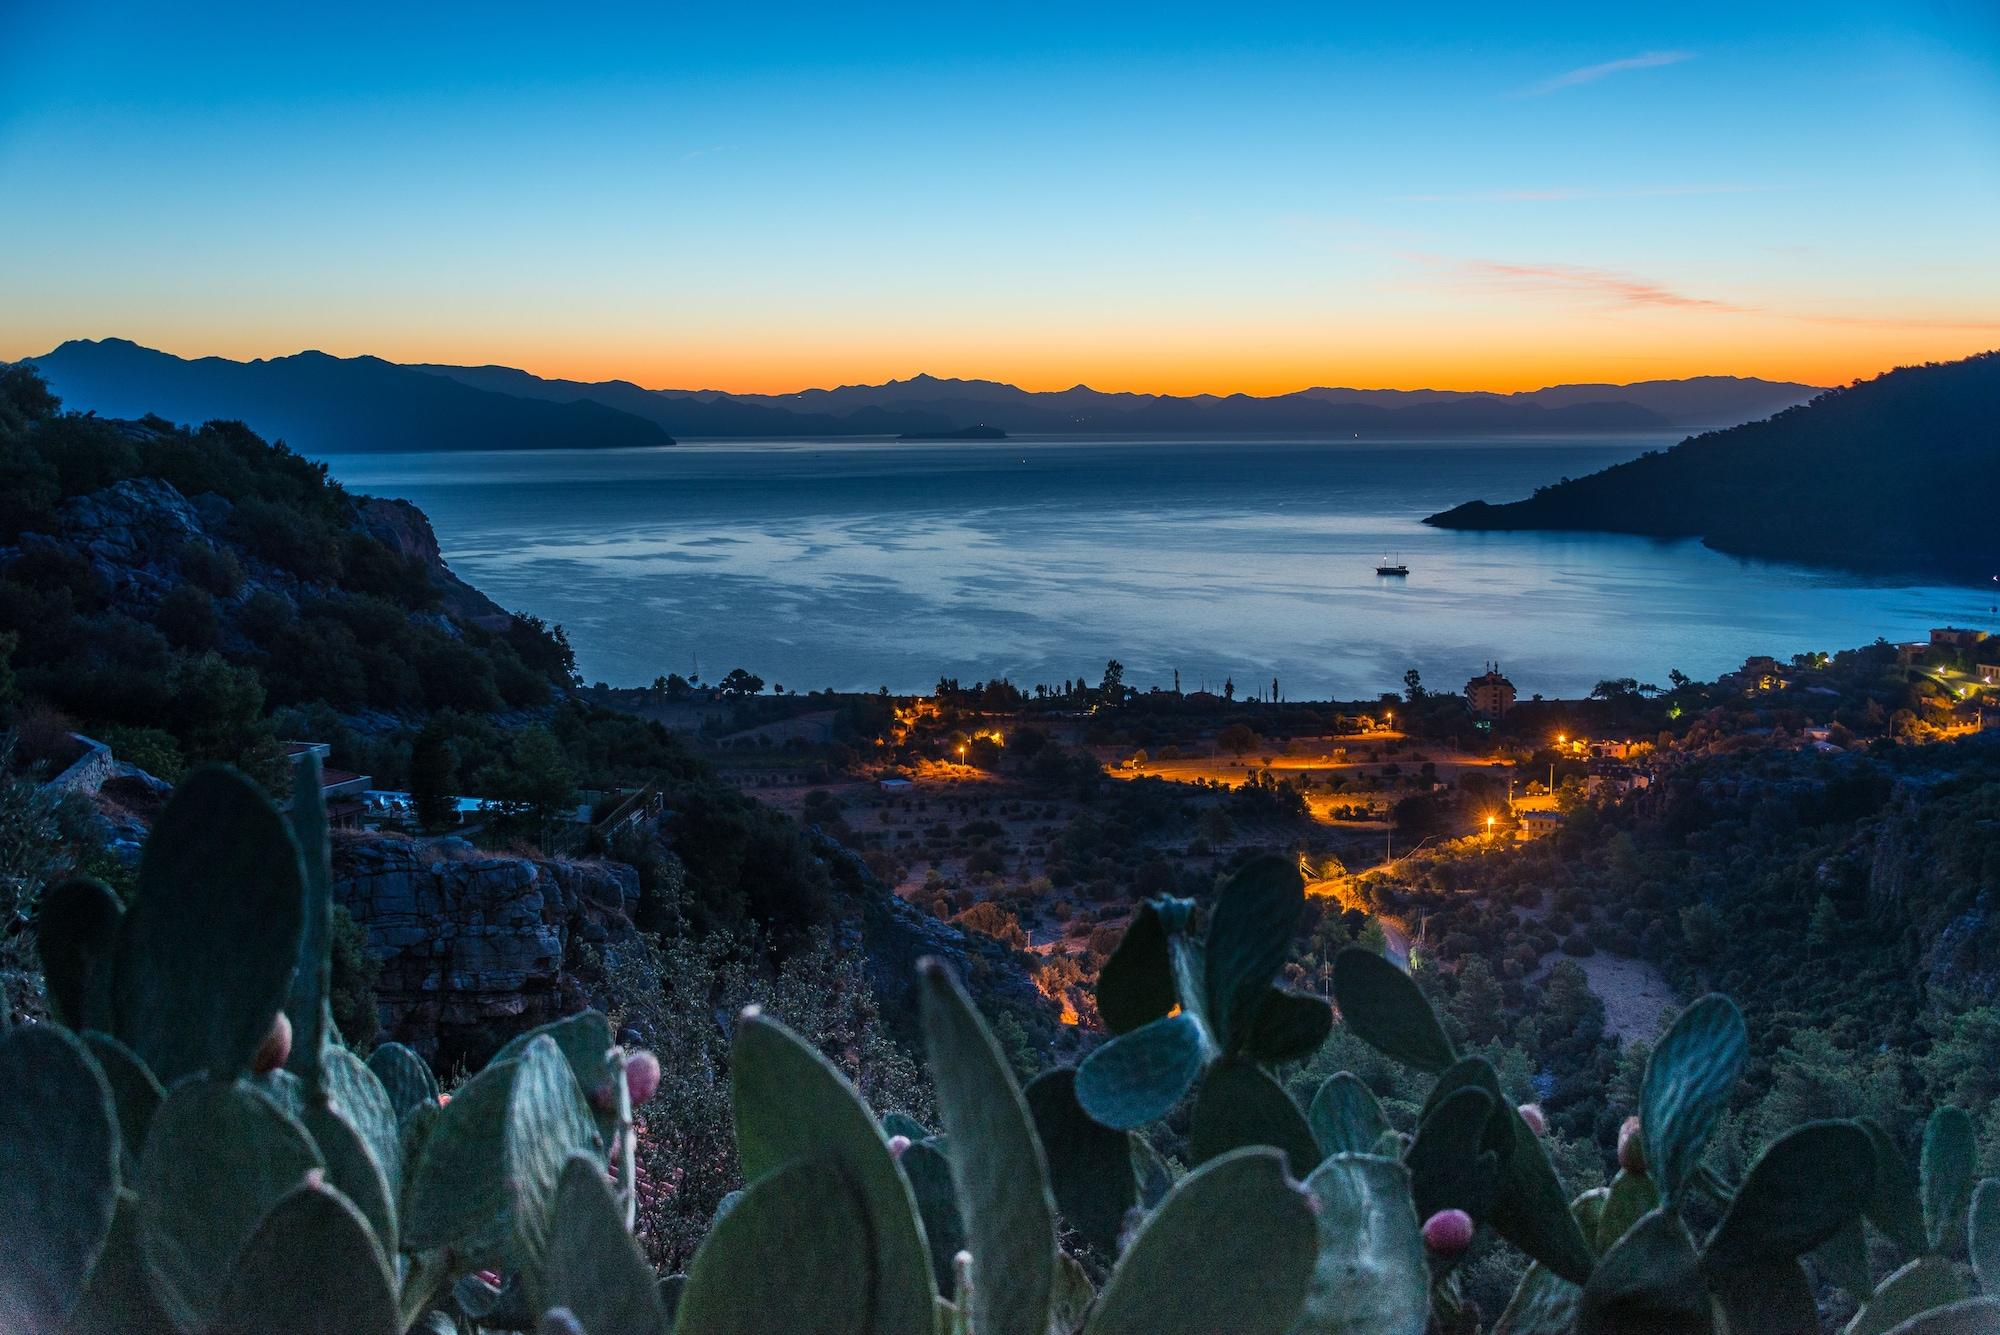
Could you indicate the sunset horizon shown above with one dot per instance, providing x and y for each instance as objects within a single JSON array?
[
  {"x": 555, "y": 366},
  {"x": 1190, "y": 203}
]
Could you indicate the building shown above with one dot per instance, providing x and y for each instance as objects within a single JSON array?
[
  {"x": 343, "y": 792},
  {"x": 1957, "y": 637},
  {"x": 1989, "y": 674},
  {"x": 1490, "y": 695},
  {"x": 1610, "y": 776},
  {"x": 1537, "y": 824},
  {"x": 1760, "y": 672}
]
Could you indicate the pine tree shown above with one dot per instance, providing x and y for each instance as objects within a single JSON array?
[
  {"x": 1824, "y": 928},
  {"x": 433, "y": 778}
]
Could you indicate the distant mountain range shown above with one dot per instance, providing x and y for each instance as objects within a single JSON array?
[
  {"x": 1654, "y": 405},
  {"x": 330, "y": 405},
  {"x": 1899, "y": 473}
]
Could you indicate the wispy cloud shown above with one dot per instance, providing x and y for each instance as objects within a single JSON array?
[
  {"x": 1556, "y": 194},
  {"x": 692, "y": 154},
  {"x": 1611, "y": 288},
  {"x": 1578, "y": 280},
  {"x": 1645, "y": 60}
]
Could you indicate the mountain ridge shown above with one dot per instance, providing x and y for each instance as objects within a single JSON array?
[
  {"x": 1896, "y": 473},
  {"x": 324, "y": 404}
]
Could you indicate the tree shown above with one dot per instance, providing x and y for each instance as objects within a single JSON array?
[
  {"x": 1618, "y": 688},
  {"x": 1112, "y": 688},
  {"x": 1678, "y": 679},
  {"x": 1238, "y": 739},
  {"x": 1413, "y": 686},
  {"x": 433, "y": 777},
  {"x": 537, "y": 784},
  {"x": 1824, "y": 929},
  {"x": 740, "y": 683},
  {"x": 217, "y": 712},
  {"x": 1228, "y": 688}
]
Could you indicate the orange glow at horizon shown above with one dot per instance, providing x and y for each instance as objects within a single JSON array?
[{"x": 1395, "y": 352}]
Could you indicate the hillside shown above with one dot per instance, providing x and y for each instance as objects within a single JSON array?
[
  {"x": 322, "y": 405},
  {"x": 169, "y": 585},
  {"x": 1892, "y": 474}
]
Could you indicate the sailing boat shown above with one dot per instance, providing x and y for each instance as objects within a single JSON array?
[{"x": 1388, "y": 567}]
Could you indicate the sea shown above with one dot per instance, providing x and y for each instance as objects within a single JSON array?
[{"x": 860, "y": 564}]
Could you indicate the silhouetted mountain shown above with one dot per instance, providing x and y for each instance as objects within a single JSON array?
[
  {"x": 324, "y": 404},
  {"x": 1896, "y": 473},
  {"x": 700, "y": 414},
  {"x": 320, "y": 404},
  {"x": 1650, "y": 406}
]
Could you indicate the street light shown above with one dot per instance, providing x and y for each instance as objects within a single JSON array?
[{"x": 1489, "y": 827}]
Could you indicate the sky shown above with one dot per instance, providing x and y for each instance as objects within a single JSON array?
[{"x": 1166, "y": 198}]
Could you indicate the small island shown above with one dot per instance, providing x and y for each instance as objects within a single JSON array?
[{"x": 959, "y": 433}]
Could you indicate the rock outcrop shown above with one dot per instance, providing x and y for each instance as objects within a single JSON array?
[
  {"x": 406, "y": 530},
  {"x": 476, "y": 946}
]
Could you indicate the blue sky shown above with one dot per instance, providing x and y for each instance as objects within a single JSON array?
[{"x": 1164, "y": 198}]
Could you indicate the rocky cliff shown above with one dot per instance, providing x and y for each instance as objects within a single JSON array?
[{"x": 476, "y": 946}]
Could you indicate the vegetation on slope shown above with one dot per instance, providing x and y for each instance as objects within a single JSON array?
[{"x": 1894, "y": 473}]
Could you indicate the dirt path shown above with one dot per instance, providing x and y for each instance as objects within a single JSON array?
[{"x": 1634, "y": 995}]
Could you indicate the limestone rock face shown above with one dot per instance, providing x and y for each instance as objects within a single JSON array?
[
  {"x": 133, "y": 533},
  {"x": 476, "y": 946}
]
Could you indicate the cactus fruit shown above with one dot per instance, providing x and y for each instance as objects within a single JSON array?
[
  {"x": 276, "y": 1047},
  {"x": 1631, "y": 1146},
  {"x": 898, "y": 1146},
  {"x": 642, "y": 1076},
  {"x": 1448, "y": 1232},
  {"x": 1531, "y": 1113}
]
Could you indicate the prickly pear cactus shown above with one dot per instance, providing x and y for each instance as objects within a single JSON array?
[
  {"x": 192, "y": 1150},
  {"x": 207, "y": 1158}
]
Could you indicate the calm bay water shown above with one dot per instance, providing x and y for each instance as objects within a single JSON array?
[{"x": 861, "y": 564}]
